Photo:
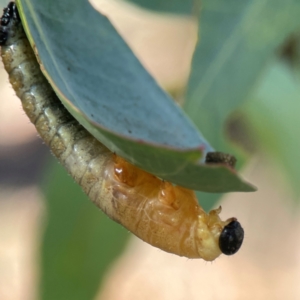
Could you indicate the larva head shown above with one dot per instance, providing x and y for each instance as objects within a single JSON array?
[
  {"x": 215, "y": 236},
  {"x": 9, "y": 13},
  {"x": 231, "y": 238}
]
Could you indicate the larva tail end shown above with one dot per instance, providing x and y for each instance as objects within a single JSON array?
[{"x": 9, "y": 13}]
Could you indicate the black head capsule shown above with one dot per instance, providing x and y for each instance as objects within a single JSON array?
[
  {"x": 231, "y": 238},
  {"x": 10, "y": 12}
]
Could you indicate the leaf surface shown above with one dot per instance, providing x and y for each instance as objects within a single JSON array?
[{"x": 107, "y": 90}]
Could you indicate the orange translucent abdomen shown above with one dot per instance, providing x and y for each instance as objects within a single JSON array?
[{"x": 157, "y": 211}]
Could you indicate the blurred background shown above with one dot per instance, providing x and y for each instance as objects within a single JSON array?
[{"x": 54, "y": 244}]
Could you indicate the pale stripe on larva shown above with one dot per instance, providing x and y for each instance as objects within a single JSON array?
[{"x": 166, "y": 216}]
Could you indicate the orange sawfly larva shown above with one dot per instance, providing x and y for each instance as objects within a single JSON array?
[{"x": 166, "y": 216}]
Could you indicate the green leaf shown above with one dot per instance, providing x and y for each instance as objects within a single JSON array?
[
  {"x": 237, "y": 38},
  {"x": 104, "y": 86},
  {"x": 208, "y": 200},
  {"x": 273, "y": 113},
  {"x": 80, "y": 242},
  {"x": 168, "y": 6}
]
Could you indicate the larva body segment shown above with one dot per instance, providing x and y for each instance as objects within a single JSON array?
[{"x": 161, "y": 214}]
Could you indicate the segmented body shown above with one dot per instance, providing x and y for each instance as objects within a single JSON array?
[{"x": 161, "y": 214}]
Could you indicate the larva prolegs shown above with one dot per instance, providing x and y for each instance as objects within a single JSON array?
[{"x": 158, "y": 212}]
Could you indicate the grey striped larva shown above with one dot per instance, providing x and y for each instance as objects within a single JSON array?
[{"x": 166, "y": 216}]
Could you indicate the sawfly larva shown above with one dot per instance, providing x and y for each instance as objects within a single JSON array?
[{"x": 166, "y": 216}]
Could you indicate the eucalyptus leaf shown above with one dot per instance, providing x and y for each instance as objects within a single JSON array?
[{"x": 107, "y": 90}]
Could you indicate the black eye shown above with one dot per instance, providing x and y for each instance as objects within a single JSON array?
[{"x": 231, "y": 238}]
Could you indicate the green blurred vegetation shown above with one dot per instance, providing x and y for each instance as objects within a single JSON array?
[
  {"x": 188, "y": 7},
  {"x": 80, "y": 242},
  {"x": 273, "y": 116},
  {"x": 238, "y": 42}
]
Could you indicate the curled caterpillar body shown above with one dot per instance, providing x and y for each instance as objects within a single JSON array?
[{"x": 166, "y": 216}]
